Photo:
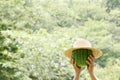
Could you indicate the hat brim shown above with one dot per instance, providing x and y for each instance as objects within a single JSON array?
[{"x": 96, "y": 52}]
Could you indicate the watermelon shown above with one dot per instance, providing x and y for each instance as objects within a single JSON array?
[{"x": 80, "y": 56}]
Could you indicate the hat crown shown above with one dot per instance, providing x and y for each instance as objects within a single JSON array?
[{"x": 81, "y": 43}]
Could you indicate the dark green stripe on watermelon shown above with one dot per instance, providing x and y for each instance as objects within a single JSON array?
[
  {"x": 80, "y": 56},
  {"x": 84, "y": 54}
]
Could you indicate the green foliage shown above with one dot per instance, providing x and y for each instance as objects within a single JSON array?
[
  {"x": 35, "y": 33},
  {"x": 114, "y": 17},
  {"x": 7, "y": 48},
  {"x": 111, "y": 4}
]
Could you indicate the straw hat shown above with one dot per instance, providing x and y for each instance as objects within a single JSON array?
[{"x": 83, "y": 44}]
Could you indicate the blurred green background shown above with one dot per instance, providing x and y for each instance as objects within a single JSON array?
[{"x": 34, "y": 34}]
